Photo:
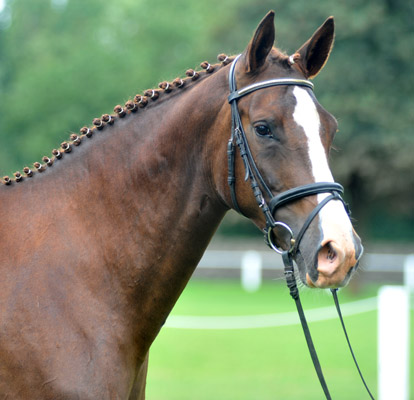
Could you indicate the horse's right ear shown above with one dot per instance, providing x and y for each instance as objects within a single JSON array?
[{"x": 261, "y": 43}]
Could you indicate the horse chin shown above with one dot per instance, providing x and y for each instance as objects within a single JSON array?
[
  {"x": 325, "y": 283},
  {"x": 315, "y": 278}
]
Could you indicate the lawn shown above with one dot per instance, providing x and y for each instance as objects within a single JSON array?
[{"x": 261, "y": 363}]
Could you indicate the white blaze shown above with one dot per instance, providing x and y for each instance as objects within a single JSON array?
[{"x": 306, "y": 116}]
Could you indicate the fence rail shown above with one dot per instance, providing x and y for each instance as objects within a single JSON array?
[{"x": 374, "y": 266}]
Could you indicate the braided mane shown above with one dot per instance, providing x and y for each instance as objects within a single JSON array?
[{"x": 131, "y": 106}]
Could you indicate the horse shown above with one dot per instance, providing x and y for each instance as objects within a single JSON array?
[{"x": 99, "y": 240}]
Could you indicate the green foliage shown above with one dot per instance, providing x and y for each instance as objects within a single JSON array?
[{"x": 64, "y": 62}]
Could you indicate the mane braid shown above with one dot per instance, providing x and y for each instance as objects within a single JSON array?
[{"x": 130, "y": 107}]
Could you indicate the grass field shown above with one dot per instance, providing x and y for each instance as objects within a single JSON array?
[{"x": 261, "y": 363}]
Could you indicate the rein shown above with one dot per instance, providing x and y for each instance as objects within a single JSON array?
[{"x": 258, "y": 185}]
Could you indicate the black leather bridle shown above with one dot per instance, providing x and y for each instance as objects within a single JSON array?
[
  {"x": 261, "y": 191},
  {"x": 257, "y": 182}
]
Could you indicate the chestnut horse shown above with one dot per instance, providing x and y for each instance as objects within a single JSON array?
[{"x": 98, "y": 241}]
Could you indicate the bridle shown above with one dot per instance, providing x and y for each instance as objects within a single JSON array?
[
  {"x": 257, "y": 182},
  {"x": 261, "y": 191}
]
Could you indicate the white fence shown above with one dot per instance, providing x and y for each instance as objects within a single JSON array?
[
  {"x": 371, "y": 262},
  {"x": 379, "y": 267}
]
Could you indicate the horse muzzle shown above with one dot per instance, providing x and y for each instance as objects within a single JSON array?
[{"x": 335, "y": 262}]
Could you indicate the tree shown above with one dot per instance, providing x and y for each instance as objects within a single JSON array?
[{"x": 64, "y": 62}]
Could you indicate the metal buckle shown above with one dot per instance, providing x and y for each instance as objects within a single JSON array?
[{"x": 274, "y": 245}]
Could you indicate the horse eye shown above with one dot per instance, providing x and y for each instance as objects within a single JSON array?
[{"x": 262, "y": 130}]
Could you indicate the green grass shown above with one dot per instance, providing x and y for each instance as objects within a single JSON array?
[{"x": 265, "y": 363}]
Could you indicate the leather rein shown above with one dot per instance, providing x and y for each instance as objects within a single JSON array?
[{"x": 258, "y": 184}]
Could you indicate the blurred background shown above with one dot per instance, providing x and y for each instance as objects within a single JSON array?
[{"x": 65, "y": 62}]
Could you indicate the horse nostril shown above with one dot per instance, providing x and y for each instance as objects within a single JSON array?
[
  {"x": 331, "y": 255},
  {"x": 330, "y": 258},
  {"x": 335, "y": 261},
  {"x": 328, "y": 252}
]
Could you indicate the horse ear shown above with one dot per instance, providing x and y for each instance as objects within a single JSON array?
[
  {"x": 261, "y": 43},
  {"x": 314, "y": 54}
]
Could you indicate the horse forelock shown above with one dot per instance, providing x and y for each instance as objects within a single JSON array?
[
  {"x": 277, "y": 56},
  {"x": 146, "y": 100},
  {"x": 287, "y": 62}
]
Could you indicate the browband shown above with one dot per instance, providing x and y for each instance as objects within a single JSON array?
[{"x": 265, "y": 84}]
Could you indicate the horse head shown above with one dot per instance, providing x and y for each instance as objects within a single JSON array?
[{"x": 287, "y": 136}]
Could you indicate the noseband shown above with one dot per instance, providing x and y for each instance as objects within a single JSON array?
[{"x": 270, "y": 206}]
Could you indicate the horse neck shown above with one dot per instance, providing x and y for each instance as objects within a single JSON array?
[
  {"x": 145, "y": 188},
  {"x": 164, "y": 190},
  {"x": 165, "y": 172},
  {"x": 131, "y": 210}
]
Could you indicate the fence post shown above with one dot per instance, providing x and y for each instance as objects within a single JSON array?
[
  {"x": 251, "y": 271},
  {"x": 409, "y": 272},
  {"x": 393, "y": 342}
]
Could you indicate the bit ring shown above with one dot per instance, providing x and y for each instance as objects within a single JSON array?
[{"x": 274, "y": 245}]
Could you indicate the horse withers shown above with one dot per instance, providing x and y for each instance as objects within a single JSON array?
[{"x": 99, "y": 240}]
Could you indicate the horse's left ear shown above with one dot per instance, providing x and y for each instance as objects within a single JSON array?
[
  {"x": 261, "y": 43},
  {"x": 314, "y": 54}
]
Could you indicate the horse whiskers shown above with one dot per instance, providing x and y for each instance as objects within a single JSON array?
[
  {"x": 131, "y": 106},
  {"x": 280, "y": 278},
  {"x": 299, "y": 282}
]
